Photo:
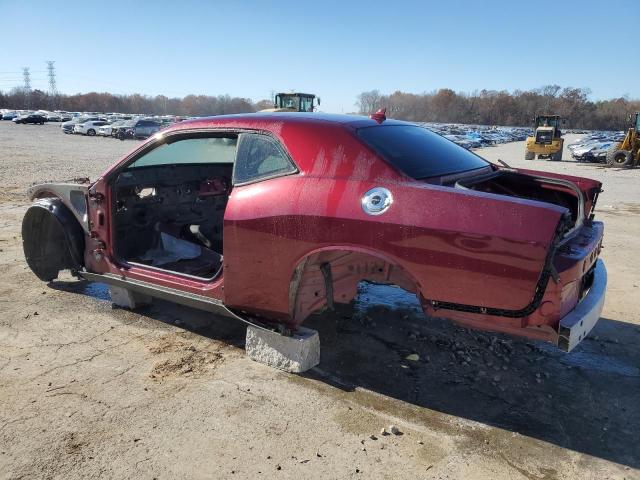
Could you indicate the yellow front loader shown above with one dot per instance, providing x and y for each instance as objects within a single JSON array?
[
  {"x": 627, "y": 153},
  {"x": 547, "y": 141}
]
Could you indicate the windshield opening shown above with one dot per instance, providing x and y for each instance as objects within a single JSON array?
[
  {"x": 288, "y": 101},
  {"x": 548, "y": 122},
  {"x": 418, "y": 152}
]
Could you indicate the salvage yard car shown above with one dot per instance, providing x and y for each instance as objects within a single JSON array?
[
  {"x": 33, "y": 118},
  {"x": 68, "y": 127},
  {"x": 270, "y": 217},
  {"x": 89, "y": 128},
  {"x": 138, "y": 129},
  {"x": 107, "y": 129}
]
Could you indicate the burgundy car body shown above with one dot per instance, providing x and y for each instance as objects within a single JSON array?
[{"x": 300, "y": 242}]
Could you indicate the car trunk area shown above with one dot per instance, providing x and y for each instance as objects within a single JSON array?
[{"x": 542, "y": 189}]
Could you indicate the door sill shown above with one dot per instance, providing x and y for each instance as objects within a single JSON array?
[{"x": 193, "y": 300}]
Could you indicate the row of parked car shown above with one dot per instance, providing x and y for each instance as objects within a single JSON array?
[
  {"x": 138, "y": 128},
  {"x": 590, "y": 148},
  {"x": 108, "y": 125},
  {"x": 19, "y": 116},
  {"x": 593, "y": 147},
  {"x": 476, "y": 136}
]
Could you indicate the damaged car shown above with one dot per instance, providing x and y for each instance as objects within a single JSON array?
[
  {"x": 268, "y": 218},
  {"x": 593, "y": 152}
]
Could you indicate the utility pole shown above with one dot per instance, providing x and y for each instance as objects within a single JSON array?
[
  {"x": 53, "y": 90},
  {"x": 27, "y": 87}
]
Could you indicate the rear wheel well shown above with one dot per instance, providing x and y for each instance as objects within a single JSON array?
[{"x": 332, "y": 276}]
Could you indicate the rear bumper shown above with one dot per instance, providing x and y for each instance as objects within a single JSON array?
[{"x": 575, "y": 326}]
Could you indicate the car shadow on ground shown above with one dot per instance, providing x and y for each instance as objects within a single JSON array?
[{"x": 586, "y": 401}]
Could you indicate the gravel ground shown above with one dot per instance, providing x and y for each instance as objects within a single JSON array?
[{"x": 87, "y": 391}]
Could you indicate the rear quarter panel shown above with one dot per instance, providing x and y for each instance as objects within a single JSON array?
[{"x": 460, "y": 246}]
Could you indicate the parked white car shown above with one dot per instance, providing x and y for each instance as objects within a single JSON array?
[
  {"x": 89, "y": 128},
  {"x": 106, "y": 130}
]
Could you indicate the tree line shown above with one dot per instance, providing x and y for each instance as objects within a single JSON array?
[
  {"x": 191, "y": 105},
  {"x": 485, "y": 107},
  {"x": 491, "y": 107}
]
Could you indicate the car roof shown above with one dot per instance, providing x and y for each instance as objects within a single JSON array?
[
  {"x": 289, "y": 125},
  {"x": 265, "y": 118}
]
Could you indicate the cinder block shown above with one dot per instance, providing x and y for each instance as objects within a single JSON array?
[
  {"x": 123, "y": 297},
  {"x": 294, "y": 354}
]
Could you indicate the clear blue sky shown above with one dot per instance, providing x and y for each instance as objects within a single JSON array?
[{"x": 335, "y": 49}]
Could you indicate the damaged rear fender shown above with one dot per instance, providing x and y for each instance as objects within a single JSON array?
[
  {"x": 331, "y": 275},
  {"x": 52, "y": 239}
]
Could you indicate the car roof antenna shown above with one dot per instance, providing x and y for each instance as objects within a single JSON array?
[{"x": 380, "y": 116}]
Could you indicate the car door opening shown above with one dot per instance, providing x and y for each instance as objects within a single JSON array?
[{"x": 168, "y": 206}]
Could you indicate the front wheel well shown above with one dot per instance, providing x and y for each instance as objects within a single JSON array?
[
  {"x": 332, "y": 276},
  {"x": 52, "y": 239}
]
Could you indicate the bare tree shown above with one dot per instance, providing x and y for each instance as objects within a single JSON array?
[
  {"x": 490, "y": 107},
  {"x": 369, "y": 102}
]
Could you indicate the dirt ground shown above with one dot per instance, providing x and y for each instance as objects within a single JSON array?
[{"x": 87, "y": 391}]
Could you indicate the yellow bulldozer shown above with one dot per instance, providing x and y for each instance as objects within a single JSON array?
[
  {"x": 627, "y": 152},
  {"x": 547, "y": 141},
  {"x": 293, "y": 102}
]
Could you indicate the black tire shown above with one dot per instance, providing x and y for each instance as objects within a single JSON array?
[
  {"x": 120, "y": 135},
  {"x": 556, "y": 157},
  {"x": 622, "y": 158},
  {"x": 529, "y": 155},
  {"x": 612, "y": 149},
  {"x": 91, "y": 132}
]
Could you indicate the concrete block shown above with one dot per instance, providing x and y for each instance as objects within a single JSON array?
[
  {"x": 294, "y": 354},
  {"x": 123, "y": 297}
]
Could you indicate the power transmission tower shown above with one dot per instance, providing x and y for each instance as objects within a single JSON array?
[
  {"x": 27, "y": 87},
  {"x": 53, "y": 90}
]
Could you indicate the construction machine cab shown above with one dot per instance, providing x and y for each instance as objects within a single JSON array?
[
  {"x": 546, "y": 141},
  {"x": 549, "y": 121},
  {"x": 294, "y": 102}
]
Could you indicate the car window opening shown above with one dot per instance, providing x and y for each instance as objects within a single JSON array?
[{"x": 169, "y": 206}]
